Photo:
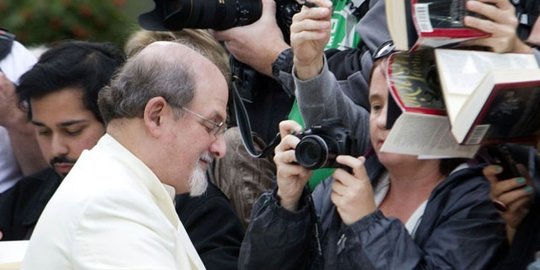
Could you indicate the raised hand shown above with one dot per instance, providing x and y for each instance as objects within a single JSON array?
[
  {"x": 10, "y": 114},
  {"x": 310, "y": 31},
  {"x": 500, "y": 21}
]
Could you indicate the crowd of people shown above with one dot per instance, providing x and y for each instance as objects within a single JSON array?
[{"x": 129, "y": 159}]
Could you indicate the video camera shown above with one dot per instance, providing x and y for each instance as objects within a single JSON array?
[
  {"x": 173, "y": 15},
  {"x": 321, "y": 144}
]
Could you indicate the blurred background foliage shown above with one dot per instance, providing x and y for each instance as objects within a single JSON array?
[{"x": 41, "y": 22}]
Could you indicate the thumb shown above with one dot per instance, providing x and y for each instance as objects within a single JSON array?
[
  {"x": 269, "y": 8},
  {"x": 491, "y": 171},
  {"x": 359, "y": 170}
]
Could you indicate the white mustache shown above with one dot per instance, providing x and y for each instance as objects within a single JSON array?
[{"x": 207, "y": 157}]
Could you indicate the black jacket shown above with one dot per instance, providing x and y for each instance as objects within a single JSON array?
[
  {"x": 460, "y": 229},
  {"x": 21, "y": 205},
  {"x": 213, "y": 226}
]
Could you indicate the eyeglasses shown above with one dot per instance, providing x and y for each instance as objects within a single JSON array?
[
  {"x": 383, "y": 50},
  {"x": 215, "y": 128}
]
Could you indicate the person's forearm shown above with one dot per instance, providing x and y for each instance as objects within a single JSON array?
[
  {"x": 534, "y": 36},
  {"x": 522, "y": 47},
  {"x": 306, "y": 72},
  {"x": 24, "y": 144}
]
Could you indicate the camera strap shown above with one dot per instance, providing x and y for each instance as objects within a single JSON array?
[{"x": 242, "y": 120}]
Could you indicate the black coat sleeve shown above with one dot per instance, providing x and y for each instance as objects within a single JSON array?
[
  {"x": 213, "y": 226},
  {"x": 277, "y": 238}
]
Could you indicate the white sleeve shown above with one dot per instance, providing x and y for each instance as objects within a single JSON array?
[{"x": 17, "y": 62}]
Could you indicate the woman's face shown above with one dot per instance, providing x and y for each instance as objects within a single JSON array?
[{"x": 378, "y": 99}]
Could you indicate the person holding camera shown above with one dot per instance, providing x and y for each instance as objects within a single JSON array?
[
  {"x": 516, "y": 198},
  {"x": 271, "y": 56},
  {"x": 389, "y": 211}
]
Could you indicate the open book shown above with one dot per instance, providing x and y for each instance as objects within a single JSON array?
[
  {"x": 490, "y": 97},
  {"x": 11, "y": 254},
  {"x": 428, "y": 23},
  {"x": 416, "y": 112},
  {"x": 446, "y": 103},
  {"x": 504, "y": 107}
]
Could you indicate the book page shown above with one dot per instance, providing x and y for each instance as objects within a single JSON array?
[
  {"x": 426, "y": 136},
  {"x": 11, "y": 254},
  {"x": 460, "y": 71}
]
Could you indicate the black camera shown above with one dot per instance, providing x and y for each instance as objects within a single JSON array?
[
  {"x": 499, "y": 154},
  {"x": 321, "y": 144},
  {"x": 173, "y": 15}
]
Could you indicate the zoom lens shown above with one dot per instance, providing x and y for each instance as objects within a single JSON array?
[
  {"x": 312, "y": 152},
  {"x": 201, "y": 14}
]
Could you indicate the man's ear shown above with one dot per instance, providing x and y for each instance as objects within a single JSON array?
[{"x": 155, "y": 113}]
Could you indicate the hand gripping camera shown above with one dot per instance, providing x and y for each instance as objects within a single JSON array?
[{"x": 321, "y": 144}]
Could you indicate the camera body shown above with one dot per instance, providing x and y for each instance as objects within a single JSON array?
[
  {"x": 285, "y": 10},
  {"x": 173, "y": 15},
  {"x": 321, "y": 144}
]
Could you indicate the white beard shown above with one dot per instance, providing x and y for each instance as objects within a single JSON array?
[{"x": 197, "y": 182}]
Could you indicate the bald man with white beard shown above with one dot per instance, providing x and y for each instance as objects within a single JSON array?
[{"x": 115, "y": 208}]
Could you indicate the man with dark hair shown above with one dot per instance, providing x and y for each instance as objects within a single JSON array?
[
  {"x": 164, "y": 121},
  {"x": 60, "y": 95}
]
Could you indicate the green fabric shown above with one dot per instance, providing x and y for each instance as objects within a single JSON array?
[
  {"x": 343, "y": 33},
  {"x": 343, "y": 36}
]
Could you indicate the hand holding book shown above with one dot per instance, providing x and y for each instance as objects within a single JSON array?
[
  {"x": 414, "y": 24},
  {"x": 498, "y": 18}
]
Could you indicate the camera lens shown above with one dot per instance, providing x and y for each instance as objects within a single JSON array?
[
  {"x": 312, "y": 152},
  {"x": 214, "y": 14}
]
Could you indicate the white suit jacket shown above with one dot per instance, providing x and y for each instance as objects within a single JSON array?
[{"x": 110, "y": 212}]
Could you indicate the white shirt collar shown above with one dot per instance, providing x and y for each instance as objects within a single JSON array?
[{"x": 170, "y": 190}]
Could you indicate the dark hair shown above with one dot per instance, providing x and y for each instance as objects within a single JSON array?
[
  {"x": 79, "y": 64},
  {"x": 447, "y": 165}
]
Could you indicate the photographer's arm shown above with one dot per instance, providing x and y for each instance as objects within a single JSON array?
[
  {"x": 534, "y": 38},
  {"x": 280, "y": 234},
  {"x": 20, "y": 131},
  {"x": 324, "y": 97},
  {"x": 310, "y": 32},
  {"x": 257, "y": 44}
]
